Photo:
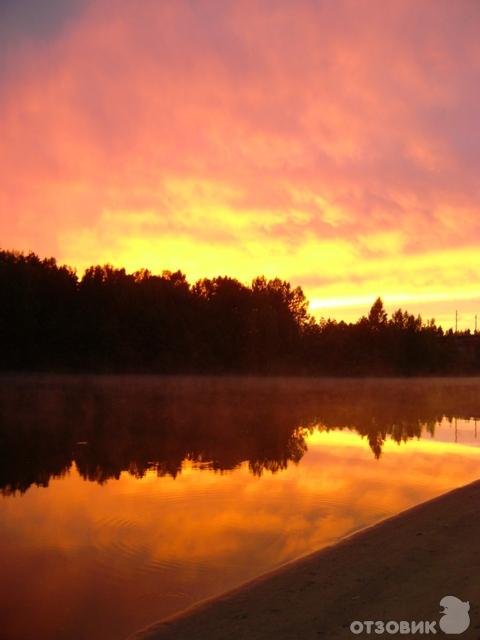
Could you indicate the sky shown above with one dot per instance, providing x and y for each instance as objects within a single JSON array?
[{"x": 332, "y": 143}]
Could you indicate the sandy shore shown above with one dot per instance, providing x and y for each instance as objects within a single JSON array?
[{"x": 398, "y": 570}]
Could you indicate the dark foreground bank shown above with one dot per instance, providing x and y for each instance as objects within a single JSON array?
[{"x": 397, "y": 570}]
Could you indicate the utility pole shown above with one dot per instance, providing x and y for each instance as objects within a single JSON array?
[
  {"x": 456, "y": 320},
  {"x": 475, "y": 323}
]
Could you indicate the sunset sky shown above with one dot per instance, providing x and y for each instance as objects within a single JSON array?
[{"x": 332, "y": 143}]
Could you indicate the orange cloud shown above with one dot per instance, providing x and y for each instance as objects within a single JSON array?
[{"x": 331, "y": 144}]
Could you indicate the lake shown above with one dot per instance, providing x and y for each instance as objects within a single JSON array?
[{"x": 126, "y": 499}]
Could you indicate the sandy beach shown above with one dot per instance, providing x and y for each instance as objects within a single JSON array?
[{"x": 397, "y": 570}]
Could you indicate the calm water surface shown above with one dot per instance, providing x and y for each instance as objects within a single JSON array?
[{"x": 127, "y": 499}]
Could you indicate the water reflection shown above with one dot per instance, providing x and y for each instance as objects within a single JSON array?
[
  {"x": 196, "y": 485},
  {"x": 106, "y": 426}
]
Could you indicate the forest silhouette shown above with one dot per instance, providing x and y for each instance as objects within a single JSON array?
[{"x": 112, "y": 321}]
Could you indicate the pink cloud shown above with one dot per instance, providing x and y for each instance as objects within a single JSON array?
[{"x": 310, "y": 121}]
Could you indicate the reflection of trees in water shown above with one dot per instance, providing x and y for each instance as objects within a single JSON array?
[
  {"x": 377, "y": 432},
  {"x": 110, "y": 425}
]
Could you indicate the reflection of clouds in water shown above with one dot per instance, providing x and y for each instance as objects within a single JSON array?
[
  {"x": 196, "y": 510},
  {"x": 144, "y": 547}
]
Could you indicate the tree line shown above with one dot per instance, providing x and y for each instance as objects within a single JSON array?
[{"x": 113, "y": 321}]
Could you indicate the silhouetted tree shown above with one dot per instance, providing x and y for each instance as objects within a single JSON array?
[{"x": 377, "y": 317}]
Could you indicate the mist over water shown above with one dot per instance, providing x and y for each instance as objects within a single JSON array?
[{"x": 126, "y": 499}]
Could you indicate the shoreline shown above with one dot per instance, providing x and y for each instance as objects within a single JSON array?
[{"x": 397, "y": 569}]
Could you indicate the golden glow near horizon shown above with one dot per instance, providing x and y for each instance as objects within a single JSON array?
[
  {"x": 332, "y": 145},
  {"x": 144, "y": 548}
]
